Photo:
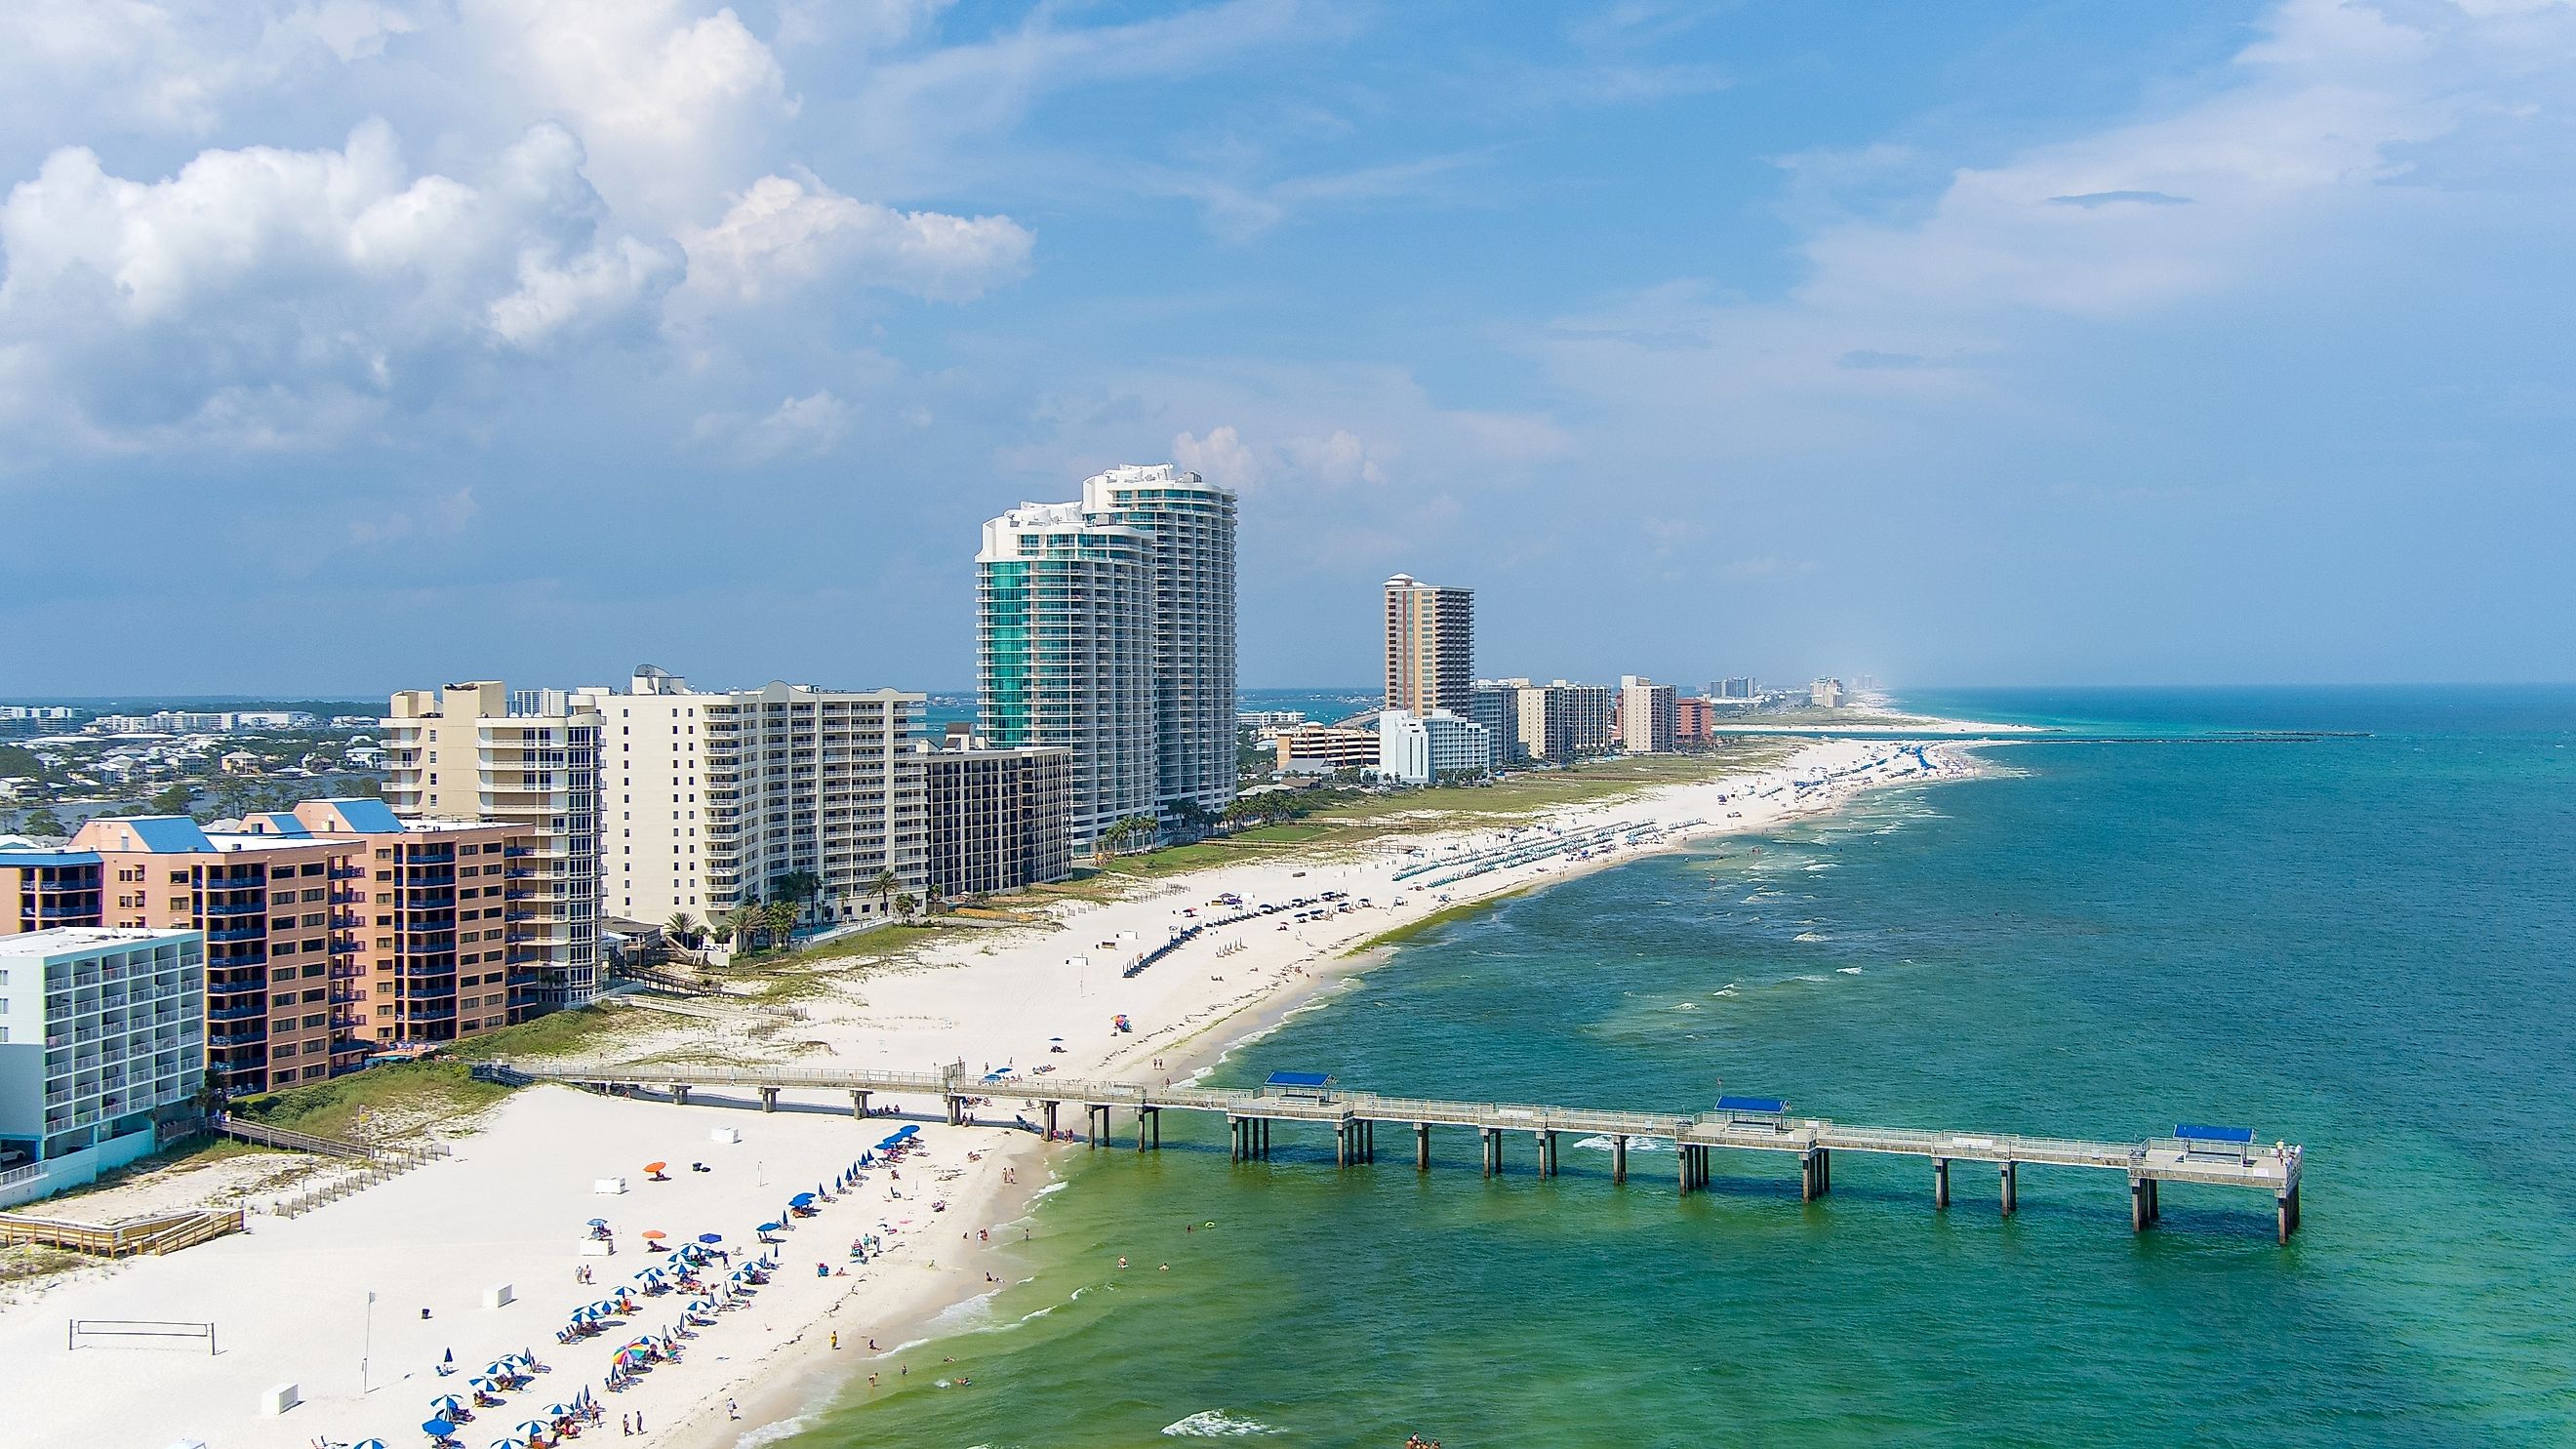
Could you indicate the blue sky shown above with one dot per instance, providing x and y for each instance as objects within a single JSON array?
[{"x": 352, "y": 344}]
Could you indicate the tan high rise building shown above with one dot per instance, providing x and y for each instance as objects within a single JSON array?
[
  {"x": 472, "y": 751},
  {"x": 1430, "y": 647}
]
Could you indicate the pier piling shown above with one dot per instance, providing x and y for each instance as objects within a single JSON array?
[{"x": 2212, "y": 1157}]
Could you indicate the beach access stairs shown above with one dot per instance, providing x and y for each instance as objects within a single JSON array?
[
  {"x": 373, "y": 1162},
  {"x": 165, "y": 1233}
]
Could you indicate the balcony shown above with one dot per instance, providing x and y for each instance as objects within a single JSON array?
[
  {"x": 238, "y": 933},
  {"x": 345, "y": 872},
  {"x": 235, "y": 908}
]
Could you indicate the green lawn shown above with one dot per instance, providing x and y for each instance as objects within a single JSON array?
[{"x": 555, "y": 1034}]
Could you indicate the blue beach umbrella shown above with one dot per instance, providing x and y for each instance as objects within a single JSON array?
[
  {"x": 438, "y": 1426},
  {"x": 710, "y": 1237},
  {"x": 801, "y": 1199},
  {"x": 534, "y": 1426},
  {"x": 769, "y": 1227}
]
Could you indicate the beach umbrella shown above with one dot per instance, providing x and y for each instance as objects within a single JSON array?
[
  {"x": 655, "y": 1166},
  {"x": 534, "y": 1427},
  {"x": 444, "y": 1404},
  {"x": 599, "y": 1222},
  {"x": 654, "y": 1235},
  {"x": 802, "y": 1199},
  {"x": 438, "y": 1426},
  {"x": 487, "y": 1385},
  {"x": 710, "y": 1237},
  {"x": 368, "y": 1444},
  {"x": 769, "y": 1227}
]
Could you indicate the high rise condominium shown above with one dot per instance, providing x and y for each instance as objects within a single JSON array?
[
  {"x": 1189, "y": 553},
  {"x": 711, "y": 799},
  {"x": 464, "y": 753},
  {"x": 1106, "y": 627},
  {"x": 1430, "y": 647}
]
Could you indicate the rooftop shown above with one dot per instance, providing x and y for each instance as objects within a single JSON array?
[{"x": 59, "y": 939}]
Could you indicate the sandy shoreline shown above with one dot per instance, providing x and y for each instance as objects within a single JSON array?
[{"x": 508, "y": 1206}]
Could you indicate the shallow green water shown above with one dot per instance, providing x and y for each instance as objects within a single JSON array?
[{"x": 2360, "y": 944}]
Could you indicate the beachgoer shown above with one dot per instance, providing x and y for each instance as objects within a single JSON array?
[
  {"x": 626, "y": 1424},
  {"x": 836, "y": 1338},
  {"x": 731, "y": 1411}
]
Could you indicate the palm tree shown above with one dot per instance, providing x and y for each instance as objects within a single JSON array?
[
  {"x": 748, "y": 920},
  {"x": 782, "y": 922},
  {"x": 906, "y": 904},
  {"x": 681, "y": 930},
  {"x": 884, "y": 887}
]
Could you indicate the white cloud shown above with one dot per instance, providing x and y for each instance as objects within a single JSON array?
[
  {"x": 671, "y": 108},
  {"x": 783, "y": 234},
  {"x": 1220, "y": 457},
  {"x": 799, "y": 427},
  {"x": 2341, "y": 120},
  {"x": 255, "y": 274}
]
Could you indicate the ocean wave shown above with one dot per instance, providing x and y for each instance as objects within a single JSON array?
[
  {"x": 1811, "y": 936},
  {"x": 1051, "y": 1189},
  {"x": 772, "y": 1433},
  {"x": 1215, "y": 1424},
  {"x": 1847, "y": 970}
]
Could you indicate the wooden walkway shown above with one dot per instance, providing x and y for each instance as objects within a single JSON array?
[{"x": 1353, "y": 1118}]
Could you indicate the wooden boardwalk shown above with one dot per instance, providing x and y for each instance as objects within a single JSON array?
[{"x": 1353, "y": 1118}]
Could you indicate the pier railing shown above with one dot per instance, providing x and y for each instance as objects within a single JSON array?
[{"x": 1354, "y": 1116}]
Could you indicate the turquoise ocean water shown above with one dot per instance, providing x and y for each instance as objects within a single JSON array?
[{"x": 2363, "y": 944}]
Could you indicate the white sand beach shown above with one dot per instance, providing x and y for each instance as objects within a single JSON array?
[{"x": 289, "y": 1296}]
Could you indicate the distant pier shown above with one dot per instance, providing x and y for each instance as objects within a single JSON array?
[{"x": 2215, "y": 1156}]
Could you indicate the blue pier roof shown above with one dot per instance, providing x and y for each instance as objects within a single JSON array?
[
  {"x": 1752, "y": 1104},
  {"x": 2203, "y": 1132},
  {"x": 1299, "y": 1079}
]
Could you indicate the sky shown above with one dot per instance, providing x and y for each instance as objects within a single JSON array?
[{"x": 349, "y": 345}]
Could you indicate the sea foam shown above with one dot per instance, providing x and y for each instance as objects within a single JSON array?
[{"x": 1215, "y": 1424}]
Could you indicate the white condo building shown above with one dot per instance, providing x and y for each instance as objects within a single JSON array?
[
  {"x": 1106, "y": 627},
  {"x": 1189, "y": 529},
  {"x": 712, "y": 798},
  {"x": 102, "y": 1043},
  {"x": 1422, "y": 749}
]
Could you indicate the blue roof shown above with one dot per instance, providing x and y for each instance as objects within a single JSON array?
[
  {"x": 1751, "y": 1104},
  {"x": 168, "y": 834},
  {"x": 278, "y": 822},
  {"x": 1299, "y": 1079},
  {"x": 370, "y": 817},
  {"x": 2203, "y": 1132}
]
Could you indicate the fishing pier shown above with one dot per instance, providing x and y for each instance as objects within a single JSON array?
[{"x": 2214, "y": 1156}]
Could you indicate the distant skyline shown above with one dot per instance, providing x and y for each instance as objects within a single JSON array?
[{"x": 375, "y": 343}]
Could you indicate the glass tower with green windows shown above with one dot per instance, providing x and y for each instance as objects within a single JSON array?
[{"x": 1065, "y": 654}]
